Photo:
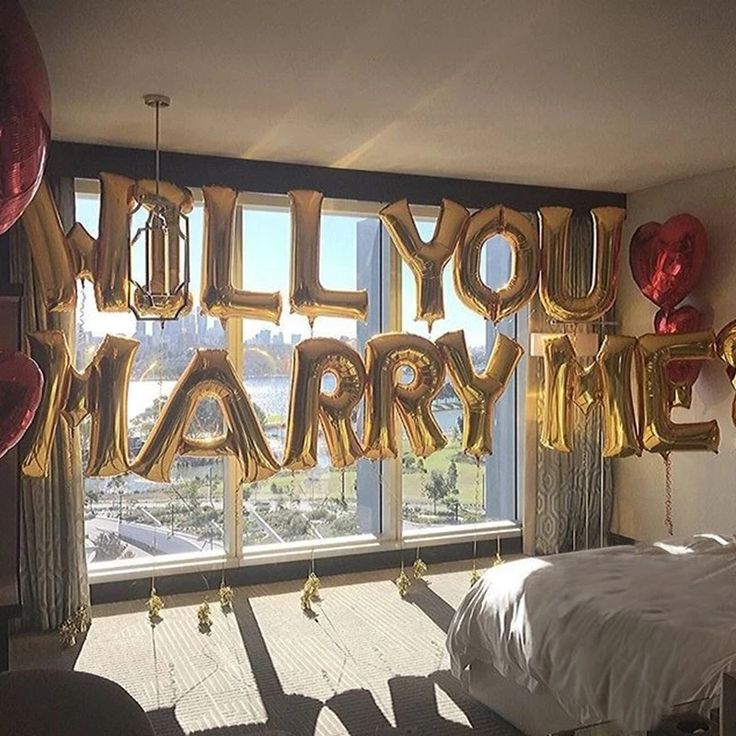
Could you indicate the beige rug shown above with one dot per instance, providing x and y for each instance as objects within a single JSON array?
[{"x": 367, "y": 664}]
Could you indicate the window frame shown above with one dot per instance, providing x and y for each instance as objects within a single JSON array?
[{"x": 391, "y": 536}]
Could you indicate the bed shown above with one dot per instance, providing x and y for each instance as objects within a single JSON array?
[{"x": 619, "y": 634}]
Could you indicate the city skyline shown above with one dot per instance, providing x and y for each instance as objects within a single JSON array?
[{"x": 267, "y": 253}]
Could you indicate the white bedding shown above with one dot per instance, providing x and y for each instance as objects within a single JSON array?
[{"x": 621, "y": 633}]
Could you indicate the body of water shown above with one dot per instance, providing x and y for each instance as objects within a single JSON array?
[{"x": 271, "y": 393}]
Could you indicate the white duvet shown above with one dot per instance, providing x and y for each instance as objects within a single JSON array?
[{"x": 621, "y": 633}]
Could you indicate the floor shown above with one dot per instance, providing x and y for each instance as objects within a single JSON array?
[{"x": 366, "y": 664}]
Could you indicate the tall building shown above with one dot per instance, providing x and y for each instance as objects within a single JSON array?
[
  {"x": 201, "y": 325},
  {"x": 262, "y": 337},
  {"x": 369, "y": 277}
]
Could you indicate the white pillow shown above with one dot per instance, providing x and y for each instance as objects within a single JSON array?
[{"x": 695, "y": 544}]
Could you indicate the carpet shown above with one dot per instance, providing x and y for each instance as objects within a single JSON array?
[{"x": 366, "y": 664}]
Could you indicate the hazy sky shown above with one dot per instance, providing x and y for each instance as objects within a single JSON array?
[{"x": 267, "y": 244}]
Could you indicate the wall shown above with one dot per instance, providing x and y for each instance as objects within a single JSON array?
[{"x": 704, "y": 485}]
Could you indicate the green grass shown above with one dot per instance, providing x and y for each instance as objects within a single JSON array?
[{"x": 331, "y": 482}]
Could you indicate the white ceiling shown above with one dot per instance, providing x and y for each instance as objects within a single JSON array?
[{"x": 601, "y": 94}]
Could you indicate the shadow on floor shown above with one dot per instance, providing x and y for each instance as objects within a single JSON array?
[{"x": 413, "y": 699}]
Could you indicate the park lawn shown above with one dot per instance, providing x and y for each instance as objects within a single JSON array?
[
  {"x": 413, "y": 482},
  {"x": 286, "y": 482}
]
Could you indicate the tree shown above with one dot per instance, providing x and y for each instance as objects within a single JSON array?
[
  {"x": 435, "y": 489},
  {"x": 91, "y": 495},
  {"x": 142, "y": 424},
  {"x": 452, "y": 475},
  {"x": 206, "y": 422},
  {"x": 116, "y": 484},
  {"x": 260, "y": 414},
  {"x": 109, "y": 546},
  {"x": 452, "y": 501}
]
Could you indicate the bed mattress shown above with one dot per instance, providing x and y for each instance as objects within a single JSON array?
[{"x": 620, "y": 634}]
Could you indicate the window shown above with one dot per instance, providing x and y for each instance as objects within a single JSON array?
[
  {"x": 128, "y": 517},
  {"x": 449, "y": 488},
  {"x": 322, "y": 503},
  {"x": 205, "y": 513}
]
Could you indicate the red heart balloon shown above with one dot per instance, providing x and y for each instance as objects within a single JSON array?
[
  {"x": 667, "y": 260},
  {"x": 21, "y": 383},
  {"x": 678, "y": 321},
  {"x": 25, "y": 113}
]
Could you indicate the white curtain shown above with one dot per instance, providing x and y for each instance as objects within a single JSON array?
[
  {"x": 571, "y": 500},
  {"x": 53, "y": 566}
]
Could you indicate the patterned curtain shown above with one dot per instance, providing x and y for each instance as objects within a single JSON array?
[
  {"x": 53, "y": 567},
  {"x": 571, "y": 501}
]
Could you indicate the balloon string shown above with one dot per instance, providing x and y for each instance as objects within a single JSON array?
[
  {"x": 587, "y": 495},
  {"x": 668, "y": 494},
  {"x": 82, "y": 315},
  {"x": 478, "y": 508}
]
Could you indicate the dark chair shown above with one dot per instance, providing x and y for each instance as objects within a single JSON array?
[{"x": 61, "y": 703}]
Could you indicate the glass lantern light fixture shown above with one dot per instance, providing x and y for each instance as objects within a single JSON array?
[{"x": 163, "y": 294}]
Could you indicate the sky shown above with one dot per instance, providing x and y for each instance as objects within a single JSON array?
[{"x": 267, "y": 245}]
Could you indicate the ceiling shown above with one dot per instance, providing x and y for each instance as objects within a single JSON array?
[{"x": 598, "y": 94}]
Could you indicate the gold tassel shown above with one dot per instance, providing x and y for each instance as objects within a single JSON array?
[
  {"x": 204, "y": 618},
  {"x": 474, "y": 575},
  {"x": 310, "y": 592},
  {"x": 419, "y": 567},
  {"x": 76, "y": 625},
  {"x": 226, "y": 596},
  {"x": 498, "y": 559},
  {"x": 403, "y": 583},
  {"x": 154, "y": 606}
]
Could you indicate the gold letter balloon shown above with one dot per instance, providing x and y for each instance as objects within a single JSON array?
[
  {"x": 520, "y": 234},
  {"x": 311, "y": 405},
  {"x": 606, "y": 381},
  {"x": 209, "y": 373},
  {"x": 223, "y": 249},
  {"x": 59, "y": 259},
  {"x": 556, "y": 289},
  {"x": 426, "y": 260},
  {"x": 726, "y": 345},
  {"x": 390, "y": 358},
  {"x": 659, "y": 433},
  {"x": 479, "y": 392},
  {"x": 100, "y": 391},
  {"x": 308, "y": 297}
]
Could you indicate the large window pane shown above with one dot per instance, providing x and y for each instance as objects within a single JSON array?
[
  {"x": 321, "y": 503},
  {"x": 449, "y": 488},
  {"x": 127, "y": 516}
]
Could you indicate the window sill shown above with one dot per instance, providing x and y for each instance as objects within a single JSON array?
[{"x": 383, "y": 550}]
